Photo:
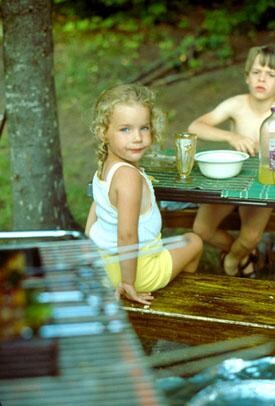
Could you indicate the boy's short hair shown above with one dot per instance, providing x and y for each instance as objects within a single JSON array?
[{"x": 267, "y": 57}]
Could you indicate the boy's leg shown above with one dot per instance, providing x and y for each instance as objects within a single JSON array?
[
  {"x": 207, "y": 221},
  {"x": 253, "y": 223}
]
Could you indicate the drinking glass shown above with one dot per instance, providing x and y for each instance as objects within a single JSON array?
[
  {"x": 158, "y": 158},
  {"x": 185, "y": 152}
]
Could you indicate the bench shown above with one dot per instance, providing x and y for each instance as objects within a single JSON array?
[{"x": 199, "y": 308}]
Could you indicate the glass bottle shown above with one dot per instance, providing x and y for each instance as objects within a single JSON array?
[{"x": 266, "y": 173}]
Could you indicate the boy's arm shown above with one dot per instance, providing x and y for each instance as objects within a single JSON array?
[
  {"x": 91, "y": 219},
  {"x": 206, "y": 128},
  {"x": 128, "y": 187}
]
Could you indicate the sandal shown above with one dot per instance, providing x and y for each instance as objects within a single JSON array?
[
  {"x": 252, "y": 259},
  {"x": 255, "y": 256}
]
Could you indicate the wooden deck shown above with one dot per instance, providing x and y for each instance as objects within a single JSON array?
[{"x": 196, "y": 309}]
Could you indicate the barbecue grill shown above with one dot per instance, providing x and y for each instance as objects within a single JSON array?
[{"x": 99, "y": 359}]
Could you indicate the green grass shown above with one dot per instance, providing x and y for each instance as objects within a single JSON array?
[{"x": 5, "y": 185}]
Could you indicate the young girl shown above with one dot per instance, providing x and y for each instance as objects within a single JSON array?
[{"x": 124, "y": 211}]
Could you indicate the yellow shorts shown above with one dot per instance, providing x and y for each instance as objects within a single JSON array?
[{"x": 153, "y": 270}]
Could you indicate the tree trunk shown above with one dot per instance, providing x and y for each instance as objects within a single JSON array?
[{"x": 39, "y": 199}]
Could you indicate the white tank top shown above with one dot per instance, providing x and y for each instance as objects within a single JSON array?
[{"x": 104, "y": 231}]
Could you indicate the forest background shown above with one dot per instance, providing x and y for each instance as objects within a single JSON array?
[{"x": 191, "y": 53}]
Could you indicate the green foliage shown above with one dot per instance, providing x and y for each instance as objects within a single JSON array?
[
  {"x": 256, "y": 11},
  {"x": 155, "y": 12},
  {"x": 218, "y": 21},
  {"x": 114, "y": 2},
  {"x": 167, "y": 45},
  {"x": 147, "y": 11},
  {"x": 184, "y": 23},
  {"x": 140, "y": 18}
]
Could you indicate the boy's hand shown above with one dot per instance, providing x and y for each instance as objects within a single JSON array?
[
  {"x": 244, "y": 144},
  {"x": 129, "y": 292}
]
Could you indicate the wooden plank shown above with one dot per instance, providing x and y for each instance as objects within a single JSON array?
[{"x": 196, "y": 309}]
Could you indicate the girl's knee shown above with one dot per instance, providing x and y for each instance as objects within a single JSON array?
[{"x": 195, "y": 240}]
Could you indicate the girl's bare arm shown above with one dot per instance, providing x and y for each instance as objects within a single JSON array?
[
  {"x": 90, "y": 219},
  {"x": 128, "y": 194}
]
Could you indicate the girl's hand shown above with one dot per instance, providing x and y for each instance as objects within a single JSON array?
[{"x": 128, "y": 291}]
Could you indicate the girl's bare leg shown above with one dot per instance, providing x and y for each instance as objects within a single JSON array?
[
  {"x": 253, "y": 223},
  {"x": 207, "y": 221},
  {"x": 187, "y": 258}
]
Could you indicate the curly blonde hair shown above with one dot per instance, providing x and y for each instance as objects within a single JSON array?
[{"x": 124, "y": 94}]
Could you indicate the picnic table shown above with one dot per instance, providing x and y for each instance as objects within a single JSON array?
[
  {"x": 243, "y": 189},
  {"x": 203, "y": 308}
]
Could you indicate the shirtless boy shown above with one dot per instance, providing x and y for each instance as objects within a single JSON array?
[{"x": 246, "y": 112}]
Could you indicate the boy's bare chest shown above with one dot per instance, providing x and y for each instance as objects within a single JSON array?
[{"x": 248, "y": 124}]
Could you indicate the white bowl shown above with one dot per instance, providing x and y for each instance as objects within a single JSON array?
[{"x": 220, "y": 164}]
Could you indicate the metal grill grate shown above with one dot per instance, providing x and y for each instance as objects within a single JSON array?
[{"x": 100, "y": 359}]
